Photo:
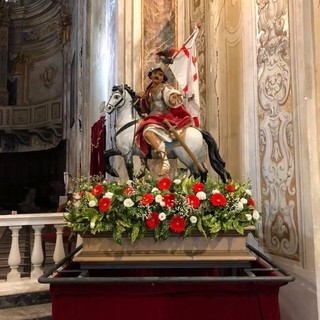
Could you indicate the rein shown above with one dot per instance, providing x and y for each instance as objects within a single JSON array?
[
  {"x": 130, "y": 123},
  {"x": 126, "y": 126}
]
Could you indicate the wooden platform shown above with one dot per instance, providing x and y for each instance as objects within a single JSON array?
[{"x": 227, "y": 247}]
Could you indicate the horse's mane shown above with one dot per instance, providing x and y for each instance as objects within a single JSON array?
[{"x": 126, "y": 87}]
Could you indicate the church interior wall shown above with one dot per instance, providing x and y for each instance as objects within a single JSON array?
[
  {"x": 259, "y": 74},
  {"x": 297, "y": 211},
  {"x": 237, "y": 115}
]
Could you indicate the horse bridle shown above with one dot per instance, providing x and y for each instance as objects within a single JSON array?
[
  {"x": 112, "y": 107},
  {"x": 118, "y": 105}
]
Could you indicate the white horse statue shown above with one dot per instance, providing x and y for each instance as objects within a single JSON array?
[{"x": 126, "y": 121}]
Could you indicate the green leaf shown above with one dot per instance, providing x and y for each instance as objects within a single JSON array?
[
  {"x": 164, "y": 234},
  {"x": 238, "y": 228},
  {"x": 135, "y": 232},
  {"x": 188, "y": 230},
  {"x": 215, "y": 228},
  {"x": 200, "y": 227},
  {"x": 157, "y": 234}
]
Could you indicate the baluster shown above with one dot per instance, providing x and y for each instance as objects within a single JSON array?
[
  {"x": 37, "y": 253},
  {"x": 14, "y": 259},
  {"x": 59, "y": 253}
]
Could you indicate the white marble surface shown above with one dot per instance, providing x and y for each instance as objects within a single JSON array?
[
  {"x": 23, "y": 286},
  {"x": 39, "y": 311}
]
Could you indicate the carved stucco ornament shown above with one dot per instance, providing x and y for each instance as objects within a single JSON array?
[
  {"x": 276, "y": 131},
  {"x": 48, "y": 75}
]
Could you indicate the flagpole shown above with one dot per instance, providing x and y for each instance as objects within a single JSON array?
[{"x": 188, "y": 39}]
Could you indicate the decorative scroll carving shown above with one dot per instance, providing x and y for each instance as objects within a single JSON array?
[
  {"x": 276, "y": 131},
  {"x": 64, "y": 28},
  {"x": 48, "y": 75},
  {"x": 42, "y": 31}
]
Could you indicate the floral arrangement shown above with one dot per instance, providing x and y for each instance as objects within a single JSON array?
[{"x": 163, "y": 207}]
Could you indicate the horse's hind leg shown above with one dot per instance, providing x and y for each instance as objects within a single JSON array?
[
  {"x": 144, "y": 166},
  {"x": 128, "y": 159},
  {"x": 196, "y": 173}
]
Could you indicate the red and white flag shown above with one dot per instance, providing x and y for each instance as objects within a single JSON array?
[{"x": 185, "y": 70}]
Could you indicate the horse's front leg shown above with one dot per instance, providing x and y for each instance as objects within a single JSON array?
[{"x": 107, "y": 155}]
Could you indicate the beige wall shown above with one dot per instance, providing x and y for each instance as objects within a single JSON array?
[{"x": 271, "y": 138}]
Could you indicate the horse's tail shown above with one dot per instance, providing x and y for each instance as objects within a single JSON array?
[{"x": 216, "y": 161}]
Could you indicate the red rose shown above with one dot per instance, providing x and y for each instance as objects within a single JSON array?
[
  {"x": 218, "y": 199},
  {"x": 251, "y": 202},
  {"x": 153, "y": 220},
  {"x": 97, "y": 190},
  {"x": 197, "y": 187},
  {"x": 193, "y": 201},
  {"x": 164, "y": 183},
  {"x": 104, "y": 204},
  {"x": 128, "y": 190},
  {"x": 177, "y": 224},
  {"x": 230, "y": 187},
  {"x": 168, "y": 200},
  {"x": 147, "y": 199}
]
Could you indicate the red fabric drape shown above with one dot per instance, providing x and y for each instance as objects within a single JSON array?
[
  {"x": 166, "y": 301},
  {"x": 98, "y": 143}
]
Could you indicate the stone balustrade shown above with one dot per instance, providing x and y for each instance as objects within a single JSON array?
[{"x": 37, "y": 221}]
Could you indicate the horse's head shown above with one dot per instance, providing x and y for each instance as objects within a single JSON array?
[{"x": 120, "y": 96}]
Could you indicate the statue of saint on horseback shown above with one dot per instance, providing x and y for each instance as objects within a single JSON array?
[
  {"x": 158, "y": 103},
  {"x": 155, "y": 121},
  {"x": 156, "y": 118}
]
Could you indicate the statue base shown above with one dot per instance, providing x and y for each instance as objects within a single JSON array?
[{"x": 230, "y": 247}]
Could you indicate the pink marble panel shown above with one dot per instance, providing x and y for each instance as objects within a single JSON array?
[{"x": 159, "y": 28}]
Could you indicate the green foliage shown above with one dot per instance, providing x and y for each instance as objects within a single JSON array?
[{"x": 164, "y": 207}]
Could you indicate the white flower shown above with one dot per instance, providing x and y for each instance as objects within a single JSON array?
[
  {"x": 255, "y": 215},
  {"x": 158, "y": 198},
  {"x": 154, "y": 190},
  {"x": 76, "y": 204},
  {"x": 248, "y": 216},
  {"x": 201, "y": 195},
  {"x": 92, "y": 203},
  {"x": 105, "y": 181},
  {"x": 248, "y": 192},
  {"x": 244, "y": 200},
  {"x": 77, "y": 196},
  {"x": 162, "y": 216},
  {"x": 239, "y": 206},
  {"x": 129, "y": 182},
  {"x": 176, "y": 181},
  {"x": 128, "y": 203},
  {"x": 108, "y": 195},
  {"x": 193, "y": 219},
  {"x": 162, "y": 203},
  {"x": 215, "y": 191}
]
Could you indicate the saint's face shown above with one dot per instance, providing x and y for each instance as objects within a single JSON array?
[{"x": 157, "y": 76}]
